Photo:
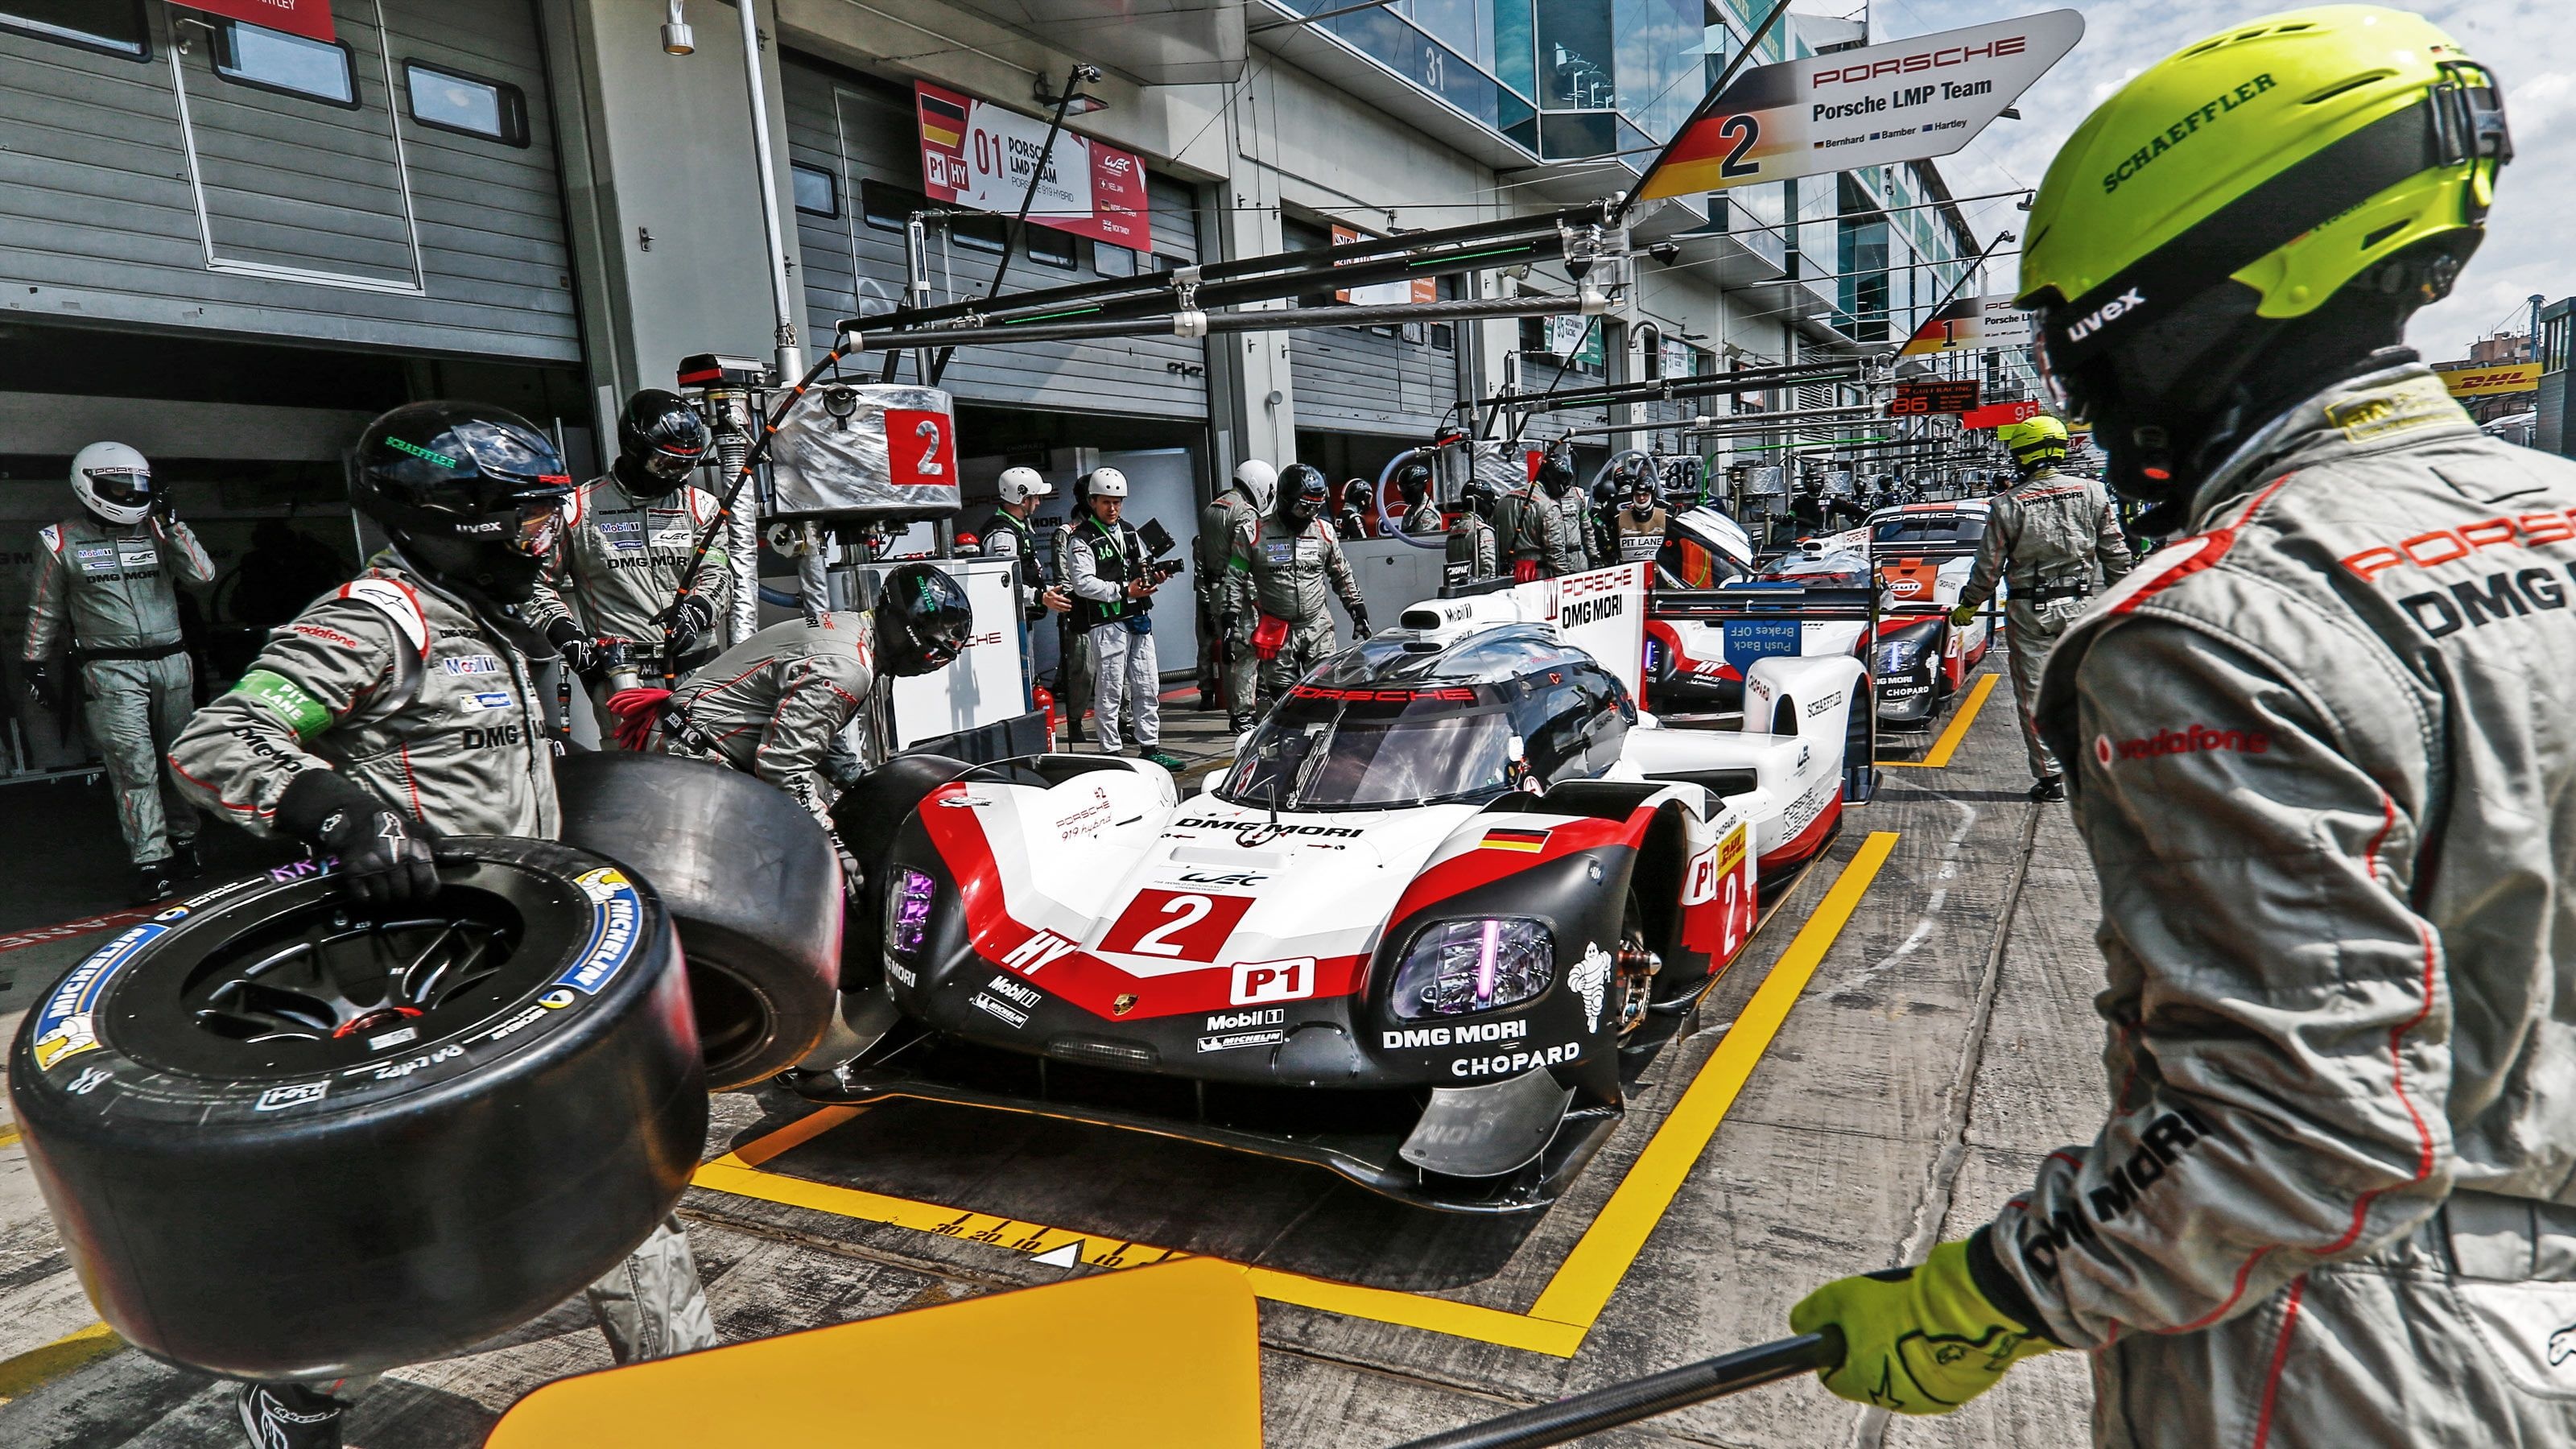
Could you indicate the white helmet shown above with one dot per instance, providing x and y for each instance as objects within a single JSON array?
[
  {"x": 113, "y": 481},
  {"x": 1019, "y": 485},
  {"x": 1259, "y": 482},
  {"x": 1108, "y": 483}
]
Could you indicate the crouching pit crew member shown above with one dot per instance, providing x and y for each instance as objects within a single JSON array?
[
  {"x": 2319, "y": 760},
  {"x": 628, "y": 538},
  {"x": 103, "y": 590},
  {"x": 397, "y": 710},
  {"x": 773, "y": 705}
]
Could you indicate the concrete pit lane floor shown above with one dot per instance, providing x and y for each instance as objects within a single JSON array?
[{"x": 1908, "y": 1034}]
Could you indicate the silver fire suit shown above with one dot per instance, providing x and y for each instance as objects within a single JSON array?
[
  {"x": 1423, "y": 520},
  {"x": 1582, "y": 530},
  {"x": 105, "y": 593},
  {"x": 1288, "y": 572},
  {"x": 773, "y": 705},
  {"x": 2044, "y": 538},
  {"x": 1470, "y": 551},
  {"x": 2324, "y": 775},
  {"x": 405, "y": 690},
  {"x": 1530, "y": 531},
  {"x": 1221, "y": 527},
  {"x": 619, "y": 565}
]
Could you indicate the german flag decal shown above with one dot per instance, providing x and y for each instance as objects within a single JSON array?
[
  {"x": 1532, "y": 841},
  {"x": 943, "y": 120}
]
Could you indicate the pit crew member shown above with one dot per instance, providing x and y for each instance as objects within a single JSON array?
[
  {"x": 2045, "y": 537},
  {"x": 1113, "y": 582},
  {"x": 1224, "y": 654},
  {"x": 104, "y": 592},
  {"x": 398, "y": 709},
  {"x": 2320, "y": 771},
  {"x": 1294, "y": 557}
]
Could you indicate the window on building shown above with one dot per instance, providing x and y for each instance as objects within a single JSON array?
[
  {"x": 272, "y": 60},
  {"x": 887, "y": 206},
  {"x": 449, "y": 100},
  {"x": 1048, "y": 247},
  {"x": 114, "y": 26},
  {"x": 1112, "y": 260},
  {"x": 2554, "y": 333},
  {"x": 818, "y": 192},
  {"x": 1575, "y": 55}
]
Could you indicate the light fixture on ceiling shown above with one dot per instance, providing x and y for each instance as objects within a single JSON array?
[
  {"x": 677, "y": 38},
  {"x": 1082, "y": 103}
]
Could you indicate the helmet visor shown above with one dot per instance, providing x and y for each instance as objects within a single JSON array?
[
  {"x": 121, "y": 487},
  {"x": 2053, "y": 380},
  {"x": 670, "y": 464},
  {"x": 540, "y": 527}
]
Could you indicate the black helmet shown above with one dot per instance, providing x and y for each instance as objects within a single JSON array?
[
  {"x": 1303, "y": 492},
  {"x": 1413, "y": 483},
  {"x": 923, "y": 620},
  {"x": 1476, "y": 495},
  {"x": 661, "y": 440},
  {"x": 1556, "y": 472},
  {"x": 472, "y": 495}
]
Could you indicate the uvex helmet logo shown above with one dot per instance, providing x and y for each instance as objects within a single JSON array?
[{"x": 2093, "y": 321}]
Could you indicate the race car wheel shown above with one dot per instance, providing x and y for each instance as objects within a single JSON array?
[
  {"x": 284, "y": 1137},
  {"x": 750, "y": 877},
  {"x": 867, "y": 817},
  {"x": 1633, "y": 967}
]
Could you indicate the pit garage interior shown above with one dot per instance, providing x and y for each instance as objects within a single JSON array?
[{"x": 1910, "y": 1030}]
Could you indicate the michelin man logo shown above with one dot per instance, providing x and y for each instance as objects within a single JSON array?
[{"x": 1590, "y": 979}]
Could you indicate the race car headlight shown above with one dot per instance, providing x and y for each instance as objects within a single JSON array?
[
  {"x": 907, "y": 910},
  {"x": 1456, "y": 967},
  {"x": 1905, "y": 648}
]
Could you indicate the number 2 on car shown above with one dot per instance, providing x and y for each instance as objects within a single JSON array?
[{"x": 1176, "y": 925}]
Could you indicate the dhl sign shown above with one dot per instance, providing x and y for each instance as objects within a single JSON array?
[{"x": 2490, "y": 380}]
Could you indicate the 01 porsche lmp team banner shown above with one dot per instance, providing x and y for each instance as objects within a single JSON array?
[{"x": 1906, "y": 100}]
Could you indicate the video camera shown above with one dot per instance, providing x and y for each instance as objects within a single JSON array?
[{"x": 1158, "y": 542}]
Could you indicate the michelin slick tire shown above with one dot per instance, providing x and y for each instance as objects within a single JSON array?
[
  {"x": 283, "y": 1138},
  {"x": 752, "y": 881}
]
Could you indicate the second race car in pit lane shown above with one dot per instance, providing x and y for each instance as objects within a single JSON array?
[
  {"x": 1924, "y": 553},
  {"x": 1451, "y": 896}
]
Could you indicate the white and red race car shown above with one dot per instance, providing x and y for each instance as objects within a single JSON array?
[
  {"x": 1918, "y": 557},
  {"x": 1452, "y": 892}
]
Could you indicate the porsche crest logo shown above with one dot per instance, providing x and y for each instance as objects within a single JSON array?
[{"x": 1125, "y": 1003}]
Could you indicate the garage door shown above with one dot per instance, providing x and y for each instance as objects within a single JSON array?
[
  {"x": 851, "y": 141},
  {"x": 397, "y": 188}
]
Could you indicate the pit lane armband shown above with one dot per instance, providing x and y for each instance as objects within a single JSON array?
[{"x": 288, "y": 700}]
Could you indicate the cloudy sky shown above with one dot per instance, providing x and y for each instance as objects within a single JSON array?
[{"x": 2531, "y": 45}]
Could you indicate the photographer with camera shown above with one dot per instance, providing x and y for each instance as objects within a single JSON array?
[{"x": 1113, "y": 580}]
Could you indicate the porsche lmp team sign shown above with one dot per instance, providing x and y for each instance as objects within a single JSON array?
[
  {"x": 975, "y": 153},
  {"x": 1906, "y": 100}
]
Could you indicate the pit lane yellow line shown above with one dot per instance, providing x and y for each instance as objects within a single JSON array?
[
  {"x": 23, "y": 1374},
  {"x": 1575, "y": 1295},
  {"x": 1939, "y": 755}
]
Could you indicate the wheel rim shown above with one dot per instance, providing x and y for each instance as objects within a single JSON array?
[{"x": 294, "y": 981}]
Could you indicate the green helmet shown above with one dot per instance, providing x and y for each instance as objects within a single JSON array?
[
  {"x": 2035, "y": 441},
  {"x": 2238, "y": 186}
]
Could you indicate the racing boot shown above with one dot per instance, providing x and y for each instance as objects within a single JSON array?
[
  {"x": 1236, "y": 724},
  {"x": 1163, "y": 757},
  {"x": 289, "y": 1416},
  {"x": 2051, "y": 787},
  {"x": 154, "y": 880},
  {"x": 185, "y": 863}
]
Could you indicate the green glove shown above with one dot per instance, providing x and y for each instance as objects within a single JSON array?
[
  {"x": 1964, "y": 615},
  {"x": 1919, "y": 1340}
]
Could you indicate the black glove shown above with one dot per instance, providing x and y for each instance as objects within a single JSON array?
[
  {"x": 692, "y": 619},
  {"x": 1359, "y": 624},
  {"x": 41, "y": 683},
  {"x": 385, "y": 858},
  {"x": 579, "y": 653}
]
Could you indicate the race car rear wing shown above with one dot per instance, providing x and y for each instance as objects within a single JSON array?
[{"x": 1762, "y": 619}]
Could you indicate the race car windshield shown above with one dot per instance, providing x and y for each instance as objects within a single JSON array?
[
  {"x": 1324, "y": 754},
  {"x": 1923, "y": 528}
]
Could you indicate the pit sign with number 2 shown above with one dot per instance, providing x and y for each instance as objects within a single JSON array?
[{"x": 921, "y": 448}]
